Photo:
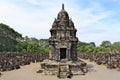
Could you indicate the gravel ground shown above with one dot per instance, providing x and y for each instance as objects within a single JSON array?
[{"x": 28, "y": 72}]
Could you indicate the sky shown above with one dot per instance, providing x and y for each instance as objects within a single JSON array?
[{"x": 95, "y": 20}]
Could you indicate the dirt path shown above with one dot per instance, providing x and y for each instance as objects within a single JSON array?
[{"x": 28, "y": 72}]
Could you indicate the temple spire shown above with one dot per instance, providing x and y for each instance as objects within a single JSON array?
[{"x": 62, "y": 6}]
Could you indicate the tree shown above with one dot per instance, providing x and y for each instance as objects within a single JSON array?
[
  {"x": 82, "y": 46},
  {"x": 86, "y": 47},
  {"x": 89, "y": 49},
  {"x": 43, "y": 42},
  {"x": 106, "y": 44},
  {"x": 92, "y": 44},
  {"x": 116, "y": 46},
  {"x": 22, "y": 46},
  {"x": 8, "y": 38},
  {"x": 33, "y": 45}
]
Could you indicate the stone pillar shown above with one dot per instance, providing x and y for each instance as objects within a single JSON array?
[
  {"x": 57, "y": 54},
  {"x": 50, "y": 52},
  {"x": 69, "y": 54}
]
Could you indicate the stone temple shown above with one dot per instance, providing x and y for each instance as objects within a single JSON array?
[
  {"x": 63, "y": 40},
  {"x": 63, "y": 60}
]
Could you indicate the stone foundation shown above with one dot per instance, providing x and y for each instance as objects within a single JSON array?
[{"x": 63, "y": 69}]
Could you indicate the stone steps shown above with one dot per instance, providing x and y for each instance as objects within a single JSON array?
[{"x": 63, "y": 71}]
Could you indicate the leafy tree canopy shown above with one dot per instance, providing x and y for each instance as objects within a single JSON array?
[{"x": 8, "y": 38}]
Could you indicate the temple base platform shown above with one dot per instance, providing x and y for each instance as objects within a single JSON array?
[{"x": 63, "y": 68}]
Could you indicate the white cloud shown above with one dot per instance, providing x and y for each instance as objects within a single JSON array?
[
  {"x": 37, "y": 21},
  {"x": 32, "y": 24},
  {"x": 34, "y": 2}
]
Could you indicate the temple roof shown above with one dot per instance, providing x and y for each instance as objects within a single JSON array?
[
  {"x": 63, "y": 15},
  {"x": 62, "y": 6}
]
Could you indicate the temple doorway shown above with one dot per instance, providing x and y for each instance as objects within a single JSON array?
[{"x": 62, "y": 53}]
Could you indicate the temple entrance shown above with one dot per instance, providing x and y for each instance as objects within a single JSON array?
[{"x": 62, "y": 53}]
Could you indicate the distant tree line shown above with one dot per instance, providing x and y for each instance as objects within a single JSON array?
[
  {"x": 12, "y": 41},
  {"x": 42, "y": 45},
  {"x": 33, "y": 45},
  {"x": 104, "y": 47}
]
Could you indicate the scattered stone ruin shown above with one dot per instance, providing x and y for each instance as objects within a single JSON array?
[
  {"x": 110, "y": 60},
  {"x": 63, "y": 60},
  {"x": 12, "y": 61}
]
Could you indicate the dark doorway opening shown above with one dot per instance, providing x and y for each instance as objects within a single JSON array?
[{"x": 62, "y": 53}]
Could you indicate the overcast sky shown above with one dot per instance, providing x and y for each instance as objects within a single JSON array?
[{"x": 95, "y": 20}]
